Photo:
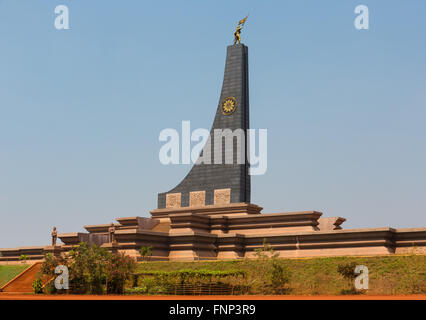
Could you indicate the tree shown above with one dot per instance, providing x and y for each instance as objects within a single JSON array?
[
  {"x": 266, "y": 251},
  {"x": 118, "y": 269},
  {"x": 274, "y": 276},
  {"x": 92, "y": 269}
]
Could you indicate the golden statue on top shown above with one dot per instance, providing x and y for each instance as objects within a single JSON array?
[{"x": 237, "y": 37}]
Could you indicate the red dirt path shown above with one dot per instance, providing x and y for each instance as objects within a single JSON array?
[
  {"x": 24, "y": 281},
  {"x": 6, "y": 296}
]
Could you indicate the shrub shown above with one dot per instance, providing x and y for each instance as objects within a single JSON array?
[
  {"x": 23, "y": 258},
  {"x": 188, "y": 281},
  {"x": 37, "y": 286},
  {"x": 266, "y": 252},
  {"x": 279, "y": 277},
  {"x": 118, "y": 269},
  {"x": 186, "y": 275},
  {"x": 273, "y": 277},
  {"x": 91, "y": 269},
  {"x": 136, "y": 290},
  {"x": 347, "y": 271},
  {"x": 87, "y": 268}
]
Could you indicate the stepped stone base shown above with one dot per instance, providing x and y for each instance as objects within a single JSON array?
[{"x": 234, "y": 231}]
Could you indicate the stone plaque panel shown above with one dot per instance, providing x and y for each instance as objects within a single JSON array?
[
  {"x": 222, "y": 196},
  {"x": 173, "y": 200},
  {"x": 197, "y": 198}
]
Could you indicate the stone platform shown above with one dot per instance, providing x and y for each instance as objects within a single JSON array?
[{"x": 235, "y": 231}]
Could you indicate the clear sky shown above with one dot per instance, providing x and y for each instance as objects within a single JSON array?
[{"x": 81, "y": 109}]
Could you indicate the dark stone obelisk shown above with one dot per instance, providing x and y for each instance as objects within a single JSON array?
[{"x": 210, "y": 177}]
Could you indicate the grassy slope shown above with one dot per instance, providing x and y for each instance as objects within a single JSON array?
[
  {"x": 388, "y": 274},
  {"x": 7, "y": 272}
]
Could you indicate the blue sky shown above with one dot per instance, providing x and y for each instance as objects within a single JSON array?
[{"x": 81, "y": 109}]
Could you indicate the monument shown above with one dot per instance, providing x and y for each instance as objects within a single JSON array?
[
  {"x": 208, "y": 184},
  {"x": 208, "y": 215}
]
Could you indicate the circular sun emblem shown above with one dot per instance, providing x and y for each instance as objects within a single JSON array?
[{"x": 229, "y": 105}]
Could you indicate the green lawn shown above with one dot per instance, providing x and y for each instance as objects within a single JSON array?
[
  {"x": 7, "y": 272},
  {"x": 399, "y": 274}
]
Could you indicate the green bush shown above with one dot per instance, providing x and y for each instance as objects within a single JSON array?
[
  {"x": 136, "y": 290},
  {"x": 37, "y": 286},
  {"x": 92, "y": 269},
  {"x": 271, "y": 276},
  {"x": 49, "y": 288},
  {"x": 347, "y": 271},
  {"x": 23, "y": 257},
  {"x": 188, "y": 280},
  {"x": 188, "y": 275},
  {"x": 118, "y": 269},
  {"x": 279, "y": 277},
  {"x": 388, "y": 275}
]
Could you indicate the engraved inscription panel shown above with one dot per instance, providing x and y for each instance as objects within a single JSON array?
[
  {"x": 222, "y": 196},
  {"x": 197, "y": 198},
  {"x": 173, "y": 200}
]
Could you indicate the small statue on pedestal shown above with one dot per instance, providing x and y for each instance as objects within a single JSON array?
[
  {"x": 54, "y": 236},
  {"x": 111, "y": 234},
  {"x": 237, "y": 37}
]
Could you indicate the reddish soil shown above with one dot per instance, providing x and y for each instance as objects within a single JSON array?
[{"x": 24, "y": 281}]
